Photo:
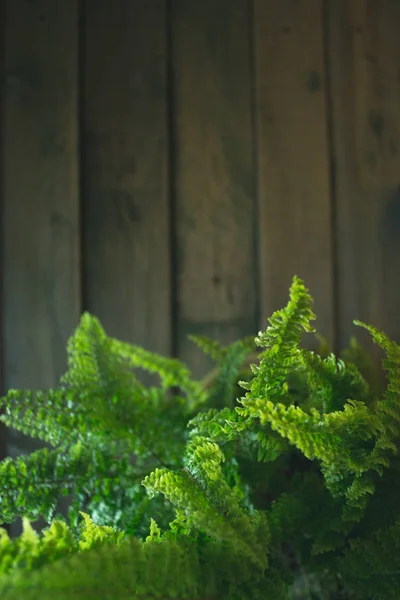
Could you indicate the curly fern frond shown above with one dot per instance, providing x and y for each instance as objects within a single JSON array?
[
  {"x": 201, "y": 492},
  {"x": 281, "y": 341},
  {"x": 56, "y": 416}
]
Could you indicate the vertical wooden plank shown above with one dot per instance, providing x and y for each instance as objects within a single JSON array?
[
  {"x": 3, "y": 429},
  {"x": 40, "y": 224},
  {"x": 214, "y": 171},
  {"x": 365, "y": 73},
  {"x": 294, "y": 173},
  {"x": 127, "y": 253},
  {"x": 40, "y": 228}
]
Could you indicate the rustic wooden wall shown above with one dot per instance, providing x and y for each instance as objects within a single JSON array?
[{"x": 170, "y": 165}]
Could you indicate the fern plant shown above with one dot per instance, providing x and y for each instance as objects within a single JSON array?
[
  {"x": 104, "y": 431},
  {"x": 288, "y": 491}
]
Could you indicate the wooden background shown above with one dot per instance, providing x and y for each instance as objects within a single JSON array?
[{"x": 170, "y": 165}]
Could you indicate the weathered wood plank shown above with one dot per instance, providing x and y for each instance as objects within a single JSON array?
[
  {"x": 214, "y": 171},
  {"x": 40, "y": 227},
  {"x": 364, "y": 61},
  {"x": 3, "y": 429},
  {"x": 293, "y": 157},
  {"x": 125, "y": 157}
]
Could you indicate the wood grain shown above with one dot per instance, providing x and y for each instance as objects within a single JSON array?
[
  {"x": 293, "y": 155},
  {"x": 125, "y": 156},
  {"x": 214, "y": 173},
  {"x": 40, "y": 227},
  {"x": 365, "y": 72},
  {"x": 3, "y": 429}
]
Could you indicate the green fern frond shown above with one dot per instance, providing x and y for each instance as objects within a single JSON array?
[
  {"x": 56, "y": 416},
  {"x": 166, "y": 567},
  {"x": 331, "y": 382},
  {"x": 95, "y": 535},
  {"x": 31, "y": 485},
  {"x": 281, "y": 342},
  {"x": 32, "y": 550},
  {"x": 201, "y": 492},
  {"x": 105, "y": 365},
  {"x": 172, "y": 372},
  {"x": 210, "y": 347}
]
